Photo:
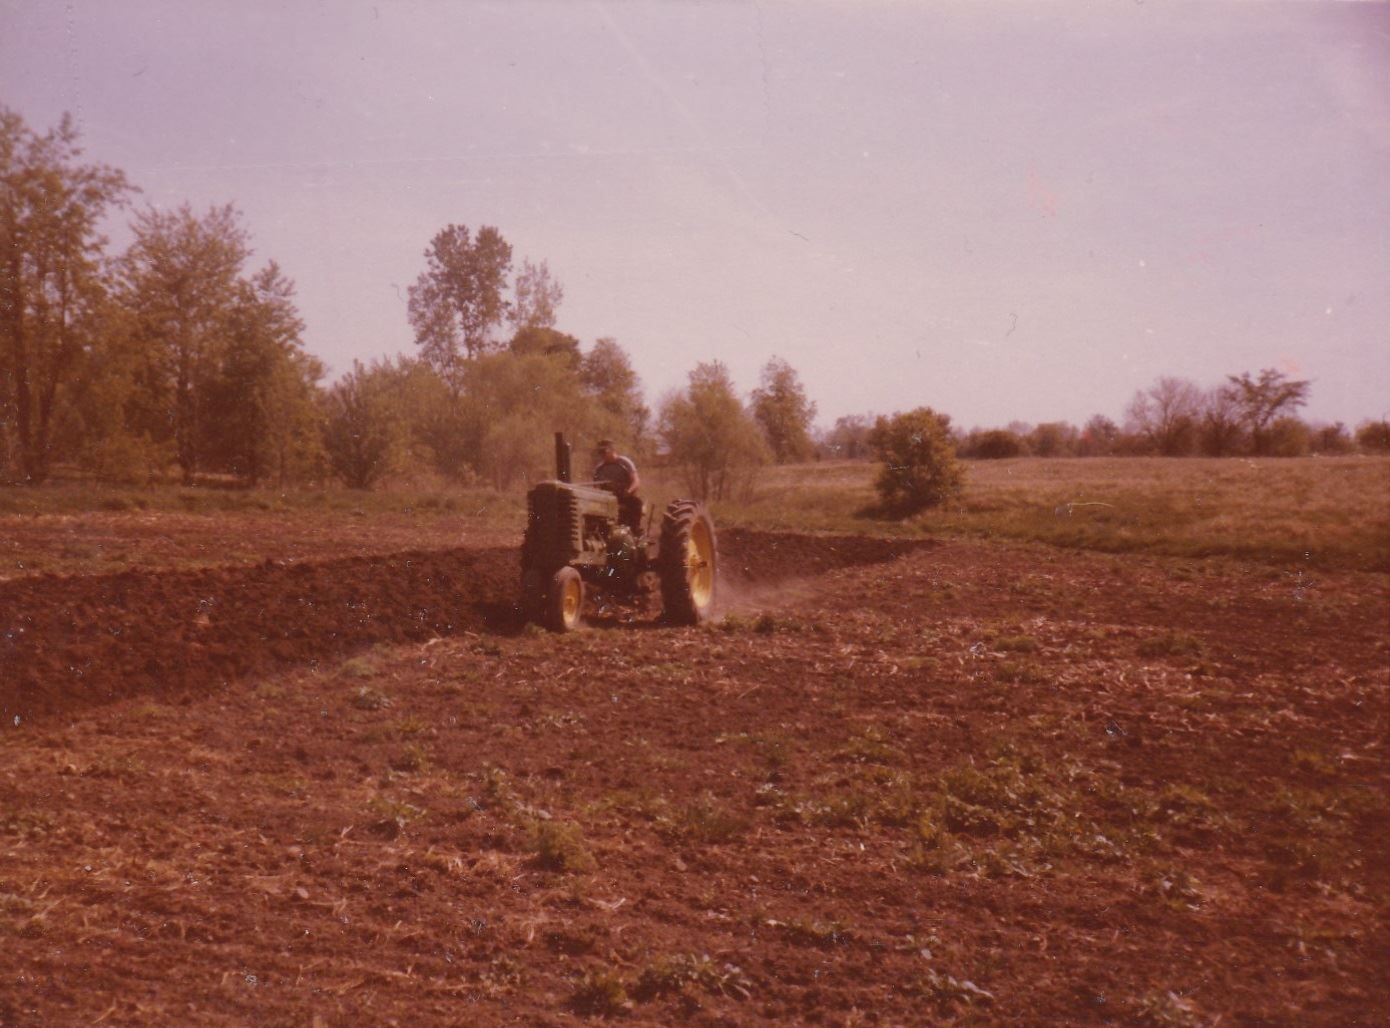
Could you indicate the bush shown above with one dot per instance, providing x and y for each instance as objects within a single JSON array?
[
  {"x": 1288, "y": 437},
  {"x": 125, "y": 459},
  {"x": 1333, "y": 440},
  {"x": 919, "y": 461},
  {"x": 1374, "y": 436},
  {"x": 1053, "y": 439},
  {"x": 998, "y": 444}
]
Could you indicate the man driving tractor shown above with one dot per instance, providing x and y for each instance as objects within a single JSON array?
[{"x": 617, "y": 473}]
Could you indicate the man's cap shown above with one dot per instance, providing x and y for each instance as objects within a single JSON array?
[{"x": 604, "y": 444}]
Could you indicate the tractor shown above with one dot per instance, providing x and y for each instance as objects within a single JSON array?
[{"x": 575, "y": 545}]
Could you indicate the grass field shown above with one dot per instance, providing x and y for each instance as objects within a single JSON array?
[{"x": 1322, "y": 512}]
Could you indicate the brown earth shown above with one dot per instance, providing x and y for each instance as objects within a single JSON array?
[{"x": 896, "y": 784}]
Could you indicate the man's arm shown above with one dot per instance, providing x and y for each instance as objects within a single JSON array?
[{"x": 636, "y": 479}]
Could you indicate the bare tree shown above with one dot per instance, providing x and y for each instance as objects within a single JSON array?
[
  {"x": 1221, "y": 433},
  {"x": 1099, "y": 437},
  {"x": 1166, "y": 414}
]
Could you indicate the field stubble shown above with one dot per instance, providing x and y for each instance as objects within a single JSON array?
[{"x": 980, "y": 780}]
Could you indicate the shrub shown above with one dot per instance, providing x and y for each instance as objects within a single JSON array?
[
  {"x": 919, "y": 461},
  {"x": 1374, "y": 436},
  {"x": 1333, "y": 439},
  {"x": 998, "y": 444},
  {"x": 1288, "y": 437}
]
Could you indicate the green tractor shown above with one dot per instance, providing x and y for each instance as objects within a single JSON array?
[{"x": 575, "y": 544}]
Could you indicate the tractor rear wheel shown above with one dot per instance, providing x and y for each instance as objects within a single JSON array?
[
  {"x": 565, "y": 600},
  {"x": 687, "y": 562}
]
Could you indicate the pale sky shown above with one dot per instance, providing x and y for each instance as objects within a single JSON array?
[{"x": 1003, "y": 211}]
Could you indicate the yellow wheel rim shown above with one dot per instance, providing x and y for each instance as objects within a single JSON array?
[
  {"x": 570, "y": 601},
  {"x": 699, "y": 564}
]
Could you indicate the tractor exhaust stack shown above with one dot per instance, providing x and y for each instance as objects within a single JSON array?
[{"x": 562, "y": 458}]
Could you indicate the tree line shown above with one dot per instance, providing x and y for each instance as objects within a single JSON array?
[
  {"x": 178, "y": 357},
  {"x": 1171, "y": 418},
  {"x": 1243, "y": 415},
  {"x": 175, "y": 354},
  {"x": 494, "y": 377}
]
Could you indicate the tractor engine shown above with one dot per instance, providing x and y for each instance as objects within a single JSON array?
[{"x": 569, "y": 524}]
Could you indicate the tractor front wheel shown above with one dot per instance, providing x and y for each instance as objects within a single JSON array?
[
  {"x": 565, "y": 601},
  {"x": 686, "y": 562}
]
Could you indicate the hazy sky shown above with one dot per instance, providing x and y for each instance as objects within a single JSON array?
[{"x": 1003, "y": 211}]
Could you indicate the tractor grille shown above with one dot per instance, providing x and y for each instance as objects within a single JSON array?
[{"x": 553, "y": 523}]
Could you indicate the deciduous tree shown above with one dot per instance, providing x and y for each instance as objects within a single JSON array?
[
  {"x": 535, "y": 340},
  {"x": 263, "y": 416},
  {"x": 537, "y": 294},
  {"x": 1288, "y": 437},
  {"x": 709, "y": 435},
  {"x": 1374, "y": 436},
  {"x": 459, "y": 297},
  {"x": 1053, "y": 439},
  {"x": 1332, "y": 440},
  {"x": 1264, "y": 399},
  {"x": 362, "y": 430},
  {"x": 51, "y": 277},
  {"x": 783, "y": 411},
  {"x": 181, "y": 281},
  {"x": 996, "y": 444},
  {"x": 607, "y": 375}
]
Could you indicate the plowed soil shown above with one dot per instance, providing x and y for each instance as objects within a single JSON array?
[{"x": 895, "y": 783}]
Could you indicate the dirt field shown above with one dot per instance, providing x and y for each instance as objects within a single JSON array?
[{"x": 898, "y": 782}]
